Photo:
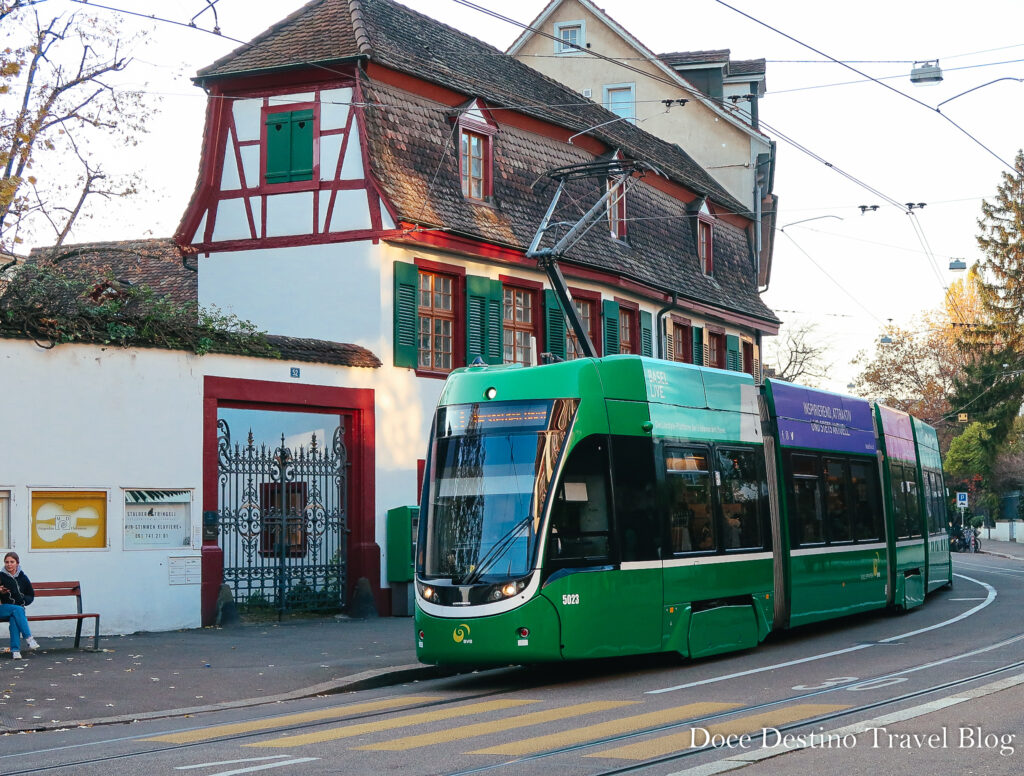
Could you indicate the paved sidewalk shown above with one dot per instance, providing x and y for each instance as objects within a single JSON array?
[
  {"x": 156, "y": 674},
  {"x": 1002, "y": 549}
]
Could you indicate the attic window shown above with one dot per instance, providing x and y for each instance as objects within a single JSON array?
[
  {"x": 617, "y": 209},
  {"x": 289, "y": 146},
  {"x": 476, "y": 152},
  {"x": 705, "y": 246},
  {"x": 704, "y": 234},
  {"x": 570, "y": 37}
]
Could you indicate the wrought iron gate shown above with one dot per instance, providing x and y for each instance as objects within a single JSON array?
[{"x": 283, "y": 522}]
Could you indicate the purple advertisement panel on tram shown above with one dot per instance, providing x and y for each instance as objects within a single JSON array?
[
  {"x": 899, "y": 436},
  {"x": 825, "y": 421}
]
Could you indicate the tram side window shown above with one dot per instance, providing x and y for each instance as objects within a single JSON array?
[
  {"x": 689, "y": 485},
  {"x": 913, "y": 502},
  {"x": 936, "y": 504},
  {"x": 806, "y": 513},
  {"x": 637, "y": 516},
  {"x": 899, "y": 500},
  {"x": 867, "y": 514},
  {"x": 743, "y": 495},
  {"x": 836, "y": 502},
  {"x": 579, "y": 515}
]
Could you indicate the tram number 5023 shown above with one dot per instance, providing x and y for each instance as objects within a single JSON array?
[{"x": 570, "y": 599}]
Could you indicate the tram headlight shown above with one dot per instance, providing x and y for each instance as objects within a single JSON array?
[
  {"x": 429, "y": 593},
  {"x": 507, "y": 589}
]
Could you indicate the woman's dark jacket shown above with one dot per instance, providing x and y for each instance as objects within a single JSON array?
[{"x": 21, "y": 592}]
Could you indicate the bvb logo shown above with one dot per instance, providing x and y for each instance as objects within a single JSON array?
[
  {"x": 875, "y": 569},
  {"x": 460, "y": 633}
]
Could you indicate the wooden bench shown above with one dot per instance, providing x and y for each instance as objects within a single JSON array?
[{"x": 65, "y": 589}]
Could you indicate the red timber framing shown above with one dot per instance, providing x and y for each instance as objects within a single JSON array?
[
  {"x": 357, "y": 405},
  {"x": 222, "y": 139}
]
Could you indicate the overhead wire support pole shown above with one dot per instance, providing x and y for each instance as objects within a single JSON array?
[{"x": 547, "y": 258}]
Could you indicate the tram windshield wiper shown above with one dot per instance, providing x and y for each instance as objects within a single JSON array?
[{"x": 497, "y": 551}]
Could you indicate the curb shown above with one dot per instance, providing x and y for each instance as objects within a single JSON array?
[{"x": 365, "y": 680}]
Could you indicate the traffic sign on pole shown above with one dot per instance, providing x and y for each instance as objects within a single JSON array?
[{"x": 961, "y": 499}]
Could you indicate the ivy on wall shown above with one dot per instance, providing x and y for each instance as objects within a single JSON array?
[{"x": 54, "y": 306}]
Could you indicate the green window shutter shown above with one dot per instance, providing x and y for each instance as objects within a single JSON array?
[
  {"x": 279, "y": 147},
  {"x": 289, "y": 146},
  {"x": 483, "y": 320},
  {"x": 698, "y": 345},
  {"x": 407, "y": 279},
  {"x": 611, "y": 327},
  {"x": 301, "y": 150},
  {"x": 495, "y": 345},
  {"x": 554, "y": 325},
  {"x": 646, "y": 334},
  {"x": 732, "y": 352}
]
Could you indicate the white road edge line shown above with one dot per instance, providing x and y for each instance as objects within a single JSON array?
[
  {"x": 253, "y": 769},
  {"x": 988, "y": 600},
  {"x": 746, "y": 758},
  {"x": 232, "y": 762}
]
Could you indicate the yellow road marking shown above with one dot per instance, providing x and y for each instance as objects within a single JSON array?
[
  {"x": 203, "y": 734},
  {"x": 483, "y": 728},
  {"x": 603, "y": 729},
  {"x": 349, "y": 731},
  {"x": 656, "y": 747}
]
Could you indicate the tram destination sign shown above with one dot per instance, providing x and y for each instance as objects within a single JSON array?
[{"x": 821, "y": 420}]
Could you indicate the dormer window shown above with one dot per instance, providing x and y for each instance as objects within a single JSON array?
[
  {"x": 570, "y": 37},
  {"x": 705, "y": 246},
  {"x": 617, "y": 209},
  {"x": 476, "y": 158},
  {"x": 704, "y": 235}
]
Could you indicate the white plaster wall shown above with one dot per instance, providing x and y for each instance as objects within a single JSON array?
[
  {"x": 92, "y": 418},
  {"x": 330, "y": 292}
]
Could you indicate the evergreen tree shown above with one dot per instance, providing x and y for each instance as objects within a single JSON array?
[{"x": 991, "y": 387}]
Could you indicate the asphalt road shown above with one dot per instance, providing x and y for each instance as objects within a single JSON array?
[{"x": 934, "y": 691}]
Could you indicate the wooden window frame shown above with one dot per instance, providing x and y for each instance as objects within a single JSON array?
[
  {"x": 633, "y": 308},
  {"x": 747, "y": 355},
  {"x": 285, "y": 186},
  {"x": 716, "y": 343},
  {"x": 687, "y": 325},
  {"x": 706, "y": 244},
  {"x": 458, "y": 277},
  {"x": 470, "y": 126},
  {"x": 593, "y": 298},
  {"x": 536, "y": 307},
  {"x": 617, "y": 224}
]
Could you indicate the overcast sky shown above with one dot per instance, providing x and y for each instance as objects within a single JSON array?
[{"x": 848, "y": 272}]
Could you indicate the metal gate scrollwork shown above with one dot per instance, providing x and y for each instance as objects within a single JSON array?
[{"x": 283, "y": 522}]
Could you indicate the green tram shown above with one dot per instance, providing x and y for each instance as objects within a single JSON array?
[{"x": 626, "y": 505}]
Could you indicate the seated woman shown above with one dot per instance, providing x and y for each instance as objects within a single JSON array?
[{"x": 15, "y": 594}]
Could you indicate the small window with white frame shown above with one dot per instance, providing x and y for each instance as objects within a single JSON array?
[
  {"x": 570, "y": 37},
  {"x": 620, "y": 99},
  {"x": 5, "y": 519}
]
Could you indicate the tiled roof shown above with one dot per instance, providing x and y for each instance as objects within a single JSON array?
[
  {"x": 739, "y": 67},
  {"x": 323, "y": 352},
  {"x": 712, "y": 57},
  {"x": 408, "y": 137},
  {"x": 411, "y": 152},
  {"x": 390, "y": 34},
  {"x": 156, "y": 263}
]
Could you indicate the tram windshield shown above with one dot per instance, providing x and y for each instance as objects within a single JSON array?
[{"x": 491, "y": 468}]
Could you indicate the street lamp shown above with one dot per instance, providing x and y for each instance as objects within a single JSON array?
[
  {"x": 927, "y": 72},
  {"x": 957, "y": 265}
]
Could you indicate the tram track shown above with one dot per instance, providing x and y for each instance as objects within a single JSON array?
[
  {"x": 492, "y": 693},
  {"x": 633, "y": 735},
  {"x": 782, "y": 728}
]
